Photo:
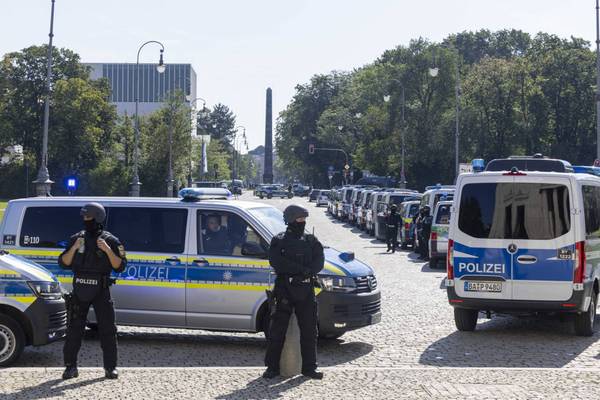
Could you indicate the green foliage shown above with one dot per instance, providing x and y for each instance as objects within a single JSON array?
[{"x": 519, "y": 95}]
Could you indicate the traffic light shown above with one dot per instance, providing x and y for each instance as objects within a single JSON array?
[{"x": 311, "y": 148}]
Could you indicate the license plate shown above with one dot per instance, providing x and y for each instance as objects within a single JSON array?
[
  {"x": 375, "y": 318},
  {"x": 483, "y": 286}
]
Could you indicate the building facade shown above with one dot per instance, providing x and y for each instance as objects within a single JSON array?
[{"x": 153, "y": 87}]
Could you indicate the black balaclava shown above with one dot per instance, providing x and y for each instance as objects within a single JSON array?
[
  {"x": 91, "y": 226},
  {"x": 296, "y": 228}
]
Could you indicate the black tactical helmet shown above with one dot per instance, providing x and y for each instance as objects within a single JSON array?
[
  {"x": 293, "y": 212},
  {"x": 95, "y": 211},
  {"x": 394, "y": 207}
]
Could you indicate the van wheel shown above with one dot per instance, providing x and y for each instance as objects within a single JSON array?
[
  {"x": 12, "y": 340},
  {"x": 584, "y": 322},
  {"x": 433, "y": 263},
  {"x": 269, "y": 196},
  {"x": 465, "y": 319}
]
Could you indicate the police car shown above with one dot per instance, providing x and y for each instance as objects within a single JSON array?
[
  {"x": 177, "y": 275},
  {"x": 525, "y": 241},
  {"x": 32, "y": 309},
  {"x": 438, "y": 239}
]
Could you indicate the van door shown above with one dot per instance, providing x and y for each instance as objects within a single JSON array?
[
  {"x": 227, "y": 278},
  {"x": 544, "y": 238},
  {"x": 151, "y": 290},
  {"x": 515, "y": 238},
  {"x": 481, "y": 234}
]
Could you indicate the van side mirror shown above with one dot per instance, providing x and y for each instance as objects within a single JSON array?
[{"x": 253, "y": 249}]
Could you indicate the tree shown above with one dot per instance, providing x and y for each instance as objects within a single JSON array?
[
  {"x": 155, "y": 128},
  {"x": 219, "y": 123}
]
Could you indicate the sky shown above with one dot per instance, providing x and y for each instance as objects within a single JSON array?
[{"x": 238, "y": 48}]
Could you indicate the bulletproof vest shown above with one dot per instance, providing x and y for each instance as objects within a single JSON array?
[
  {"x": 297, "y": 249},
  {"x": 92, "y": 260}
]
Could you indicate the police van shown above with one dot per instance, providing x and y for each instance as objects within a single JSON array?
[
  {"x": 176, "y": 276},
  {"x": 525, "y": 241},
  {"x": 32, "y": 309}
]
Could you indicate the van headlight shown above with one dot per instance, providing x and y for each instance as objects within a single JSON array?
[
  {"x": 337, "y": 284},
  {"x": 46, "y": 290}
]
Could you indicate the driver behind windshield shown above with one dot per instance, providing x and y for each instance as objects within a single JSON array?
[{"x": 215, "y": 237}]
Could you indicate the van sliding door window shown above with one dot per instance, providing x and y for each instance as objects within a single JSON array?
[
  {"x": 49, "y": 226},
  {"x": 534, "y": 211}
]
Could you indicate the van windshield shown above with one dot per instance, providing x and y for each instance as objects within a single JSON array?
[
  {"x": 443, "y": 215},
  {"x": 348, "y": 197},
  {"x": 414, "y": 209},
  {"x": 271, "y": 217},
  {"x": 535, "y": 211}
]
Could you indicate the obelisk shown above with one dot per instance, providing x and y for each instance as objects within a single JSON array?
[{"x": 268, "y": 171}]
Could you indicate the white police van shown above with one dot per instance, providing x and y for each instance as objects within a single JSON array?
[
  {"x": 525, "y": 238},
  {"x": 178, "y": 274},
  {"x": 32, "y": 309}
]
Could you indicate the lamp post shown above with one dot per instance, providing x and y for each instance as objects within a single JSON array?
[
  {"x": 433, "y": 72},
  {"x": 43, "y": 183},
  {"x": 160, "y": 68},
  {"x": 235, "y": 163},
  {"x": 170, "y": 173},
  {"x": 597, "y": 79},
  {"x": 193, "y": 104},
  {"x": 387, "y": 98}
]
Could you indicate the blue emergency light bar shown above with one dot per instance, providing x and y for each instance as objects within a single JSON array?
[
  {"x": 197, "y": 194},
  {"x": 478, "y": 164},
  {"x": 439, "y": 186}
]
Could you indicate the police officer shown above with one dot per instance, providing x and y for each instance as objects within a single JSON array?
[
  {"x": 392, "y": 229},
  {"x": 296, "y": 257},
  {"x": 215, "y": 237},
  {"x": 418, "y": 222},
  {"x": 426, "y": 221},
  {"x": 92, "y": 255}
]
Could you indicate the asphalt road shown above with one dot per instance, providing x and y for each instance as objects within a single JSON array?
[{"x": 415, "y": 352}]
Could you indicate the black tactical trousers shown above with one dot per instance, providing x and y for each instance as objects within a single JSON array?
[
  {"x": 302, "y": 301},
  {"x": 107, "y": 330},
  {"x": 391, "y": 237}
]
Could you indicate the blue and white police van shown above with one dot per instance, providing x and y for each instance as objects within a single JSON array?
[
  {"x": 32, "y": 309},
  {"x": 178, "y": 274},
  {"x": 525, "y": 238}
]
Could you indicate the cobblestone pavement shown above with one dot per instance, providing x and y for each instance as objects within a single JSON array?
[{"x": 415, "y": 352}]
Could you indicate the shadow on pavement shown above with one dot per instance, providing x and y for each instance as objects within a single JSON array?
[
  {"x": 51, "y": 388},
  {"x": 158, "y": 349},
  {"x": 265, "y": 389},
  {"x": 427, "y": 268},
  {"x": 510, "y": 342}
]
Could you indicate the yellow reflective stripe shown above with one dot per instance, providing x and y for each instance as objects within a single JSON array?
[
  {"x": 317, "y": 291},
  {"x": 332, "y": 268},
  {"x": 33, "y": 252},
  {"x": 130, "y": 282},
  {"x": 9, "y": 272},
  {"x": 22, "y": 299},
  {"x": 65, "y": 279},
  {"x": 233, "y": 262},
  {"x": 227, "y": 286}
]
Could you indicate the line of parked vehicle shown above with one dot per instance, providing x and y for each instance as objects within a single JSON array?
[{"x": 367, "y": 208}]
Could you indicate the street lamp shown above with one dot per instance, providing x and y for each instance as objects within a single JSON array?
[
  {"x": 597, "y": 79},
  {"x": 387, "y": 98},
  {"x": 160, "y": 68},
  {"x": 43, "y": 182},
  {"x": 433, "y": 72}
]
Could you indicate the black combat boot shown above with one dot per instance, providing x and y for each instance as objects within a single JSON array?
[
  {"x": 270, "y": 373},
  {"x": 314, "y": 374},
  {"x": 70, "y": 372},
  {"x": 111, "y": 373}
]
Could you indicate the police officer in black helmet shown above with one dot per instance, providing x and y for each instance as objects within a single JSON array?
[
  {"x": 92, "y": 255},
  {"x": 297, "y": 257}
]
